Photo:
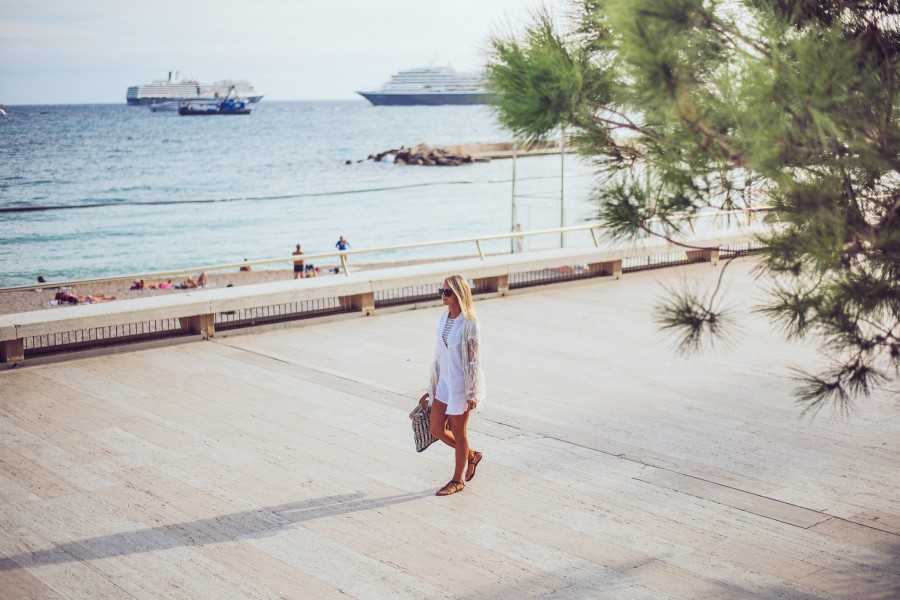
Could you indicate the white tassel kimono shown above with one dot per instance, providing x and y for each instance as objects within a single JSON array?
[{"x": 457, "y": 364}]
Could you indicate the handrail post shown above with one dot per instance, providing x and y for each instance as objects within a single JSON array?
[
  {"x": 344, "y": 264},
  {"x": 480, "y": 252}
]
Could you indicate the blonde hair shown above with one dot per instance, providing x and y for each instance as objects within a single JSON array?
[{"x": 460, "y": 287}]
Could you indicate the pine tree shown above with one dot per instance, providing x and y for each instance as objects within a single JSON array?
[{"x": 686, "y": 106}]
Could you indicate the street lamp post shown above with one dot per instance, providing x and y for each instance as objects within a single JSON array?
[
  {"x": 562, "y": 179},
  {"x": 512, "y": 225}
]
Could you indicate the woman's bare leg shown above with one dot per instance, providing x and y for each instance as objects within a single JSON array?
[
  {"x": 438, "y": 418},
  {"x": 458, "y": 424}
]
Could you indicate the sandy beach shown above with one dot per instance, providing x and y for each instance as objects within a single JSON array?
[{"x": 43, "y": 298}]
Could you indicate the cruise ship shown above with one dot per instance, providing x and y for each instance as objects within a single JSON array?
[
  {"x": 175, "y": 88},
  {"x": 430, "y": 86}
]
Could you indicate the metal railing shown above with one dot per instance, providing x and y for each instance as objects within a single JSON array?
[
  {"x": 280, "y": 313},
  {"x": 46, "y": 335},
  {"x": 524, "y": 279},
  {"x": 730, "y": 250},
  {"x": 407, "y": 295},
  {"x": 102, "y": 337},
  {"x": 342, "y": 255}
]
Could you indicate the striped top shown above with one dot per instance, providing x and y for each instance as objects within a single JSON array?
[{"x": 447, "y": 327}]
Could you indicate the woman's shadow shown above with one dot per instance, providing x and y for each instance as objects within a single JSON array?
[{"x": 258, "y": 523}]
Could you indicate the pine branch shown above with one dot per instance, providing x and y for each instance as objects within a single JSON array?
[
  {"x": 628, "y": 124},
  {"x": 889, "y": 67},
  {"x": 719, "y": 282},
  {"x": 673, "y": 241},
  {"x": 722, "y": 28}
]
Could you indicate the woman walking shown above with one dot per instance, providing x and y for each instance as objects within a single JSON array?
[{"x": 456, "y": 385}]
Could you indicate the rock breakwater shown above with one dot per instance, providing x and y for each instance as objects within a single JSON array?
[{"x": 426, "y": 156}]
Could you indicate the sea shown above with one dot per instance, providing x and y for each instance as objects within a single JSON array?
[{"x": 89, "y": 191}]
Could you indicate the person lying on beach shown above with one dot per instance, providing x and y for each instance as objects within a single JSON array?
[
  {"x": 137, "y": 285},
  {"x": 66, "y": 297},
  {"x": 96, "y": 298},
  {"x": 63, "y": 297},
  {"x": 190, "y": 283}
]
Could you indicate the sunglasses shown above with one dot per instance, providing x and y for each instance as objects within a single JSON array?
[{"x": 446, "y": 293}]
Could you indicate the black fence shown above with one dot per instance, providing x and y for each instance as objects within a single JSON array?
[
  {"x": 102, "y": 337},
  {"x": 280, "y": 313},
  {"x": 731, "y": 250},
  {"x": 407, "y": 295},
  {"x": 547, "y": 276},
  {"x": 658, "y": 261}
]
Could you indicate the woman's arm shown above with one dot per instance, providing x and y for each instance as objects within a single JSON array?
[{"x": 472, "y": 364}]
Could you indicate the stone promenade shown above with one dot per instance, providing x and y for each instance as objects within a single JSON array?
[{"x": 281, "y": 464}]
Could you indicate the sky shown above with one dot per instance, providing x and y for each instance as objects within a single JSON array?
[{"x": 64, "y": 52}]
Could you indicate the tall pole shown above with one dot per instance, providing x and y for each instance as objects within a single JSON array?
[
  {"x": 562, "y": 179},
  {"x": 512, "y": 225}
]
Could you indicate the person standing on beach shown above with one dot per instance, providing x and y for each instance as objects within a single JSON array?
[
  {"x": 456, "y": 386},
  {"x": 298, "y": 264},
  {"x": 341, "y": 244}
]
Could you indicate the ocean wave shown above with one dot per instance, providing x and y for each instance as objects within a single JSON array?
[
  {"x": 125, "y": 202},
  {"x": 23, "y": 182}
]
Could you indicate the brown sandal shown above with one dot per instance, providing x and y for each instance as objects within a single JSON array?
[
  {"x": 451, "y": 488},
  {"x": 473, "y": 464}
]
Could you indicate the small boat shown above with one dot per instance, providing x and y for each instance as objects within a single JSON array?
[
  {"x": 230, "y": 105},
  {"x": 165, "y": 106},
  {"x": 2, "y": 111}
]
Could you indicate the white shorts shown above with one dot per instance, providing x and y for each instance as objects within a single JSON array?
[{"x": 454, "y": 407}]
